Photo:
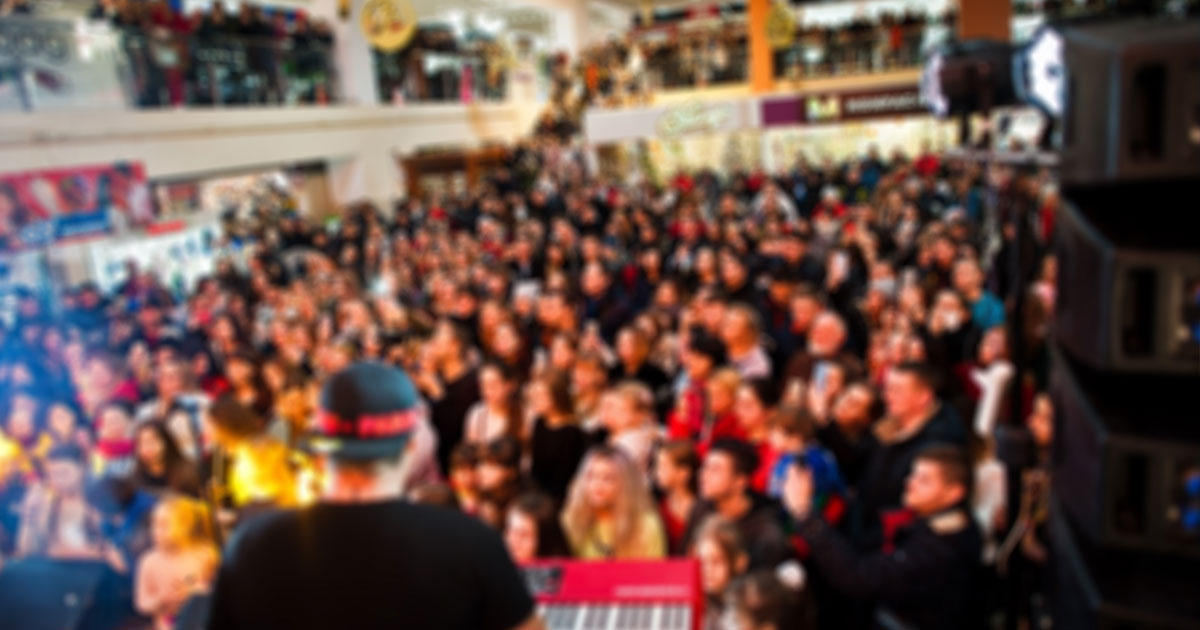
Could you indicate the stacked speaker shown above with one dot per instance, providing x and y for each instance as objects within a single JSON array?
[{"x": 1125, "y": 524}]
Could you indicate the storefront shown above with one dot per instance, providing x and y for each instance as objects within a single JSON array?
[
  {"x": 656, "y": 142},
  {"x": 767, "y": 132},
  {"x": 842, "y": 125}
]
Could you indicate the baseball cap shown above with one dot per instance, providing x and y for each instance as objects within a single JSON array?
[{"x": 366, "y": 411}]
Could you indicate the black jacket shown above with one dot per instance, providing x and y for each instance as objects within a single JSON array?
[
  {"x": 930, "y": 581},
  {"x": 882, "y": 482},
  {"x": 761, "y": 530}
]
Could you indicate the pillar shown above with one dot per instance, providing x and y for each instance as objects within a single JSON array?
[
  {"x": 986, "y": 19},
  {"x": 762, "y": 61}
]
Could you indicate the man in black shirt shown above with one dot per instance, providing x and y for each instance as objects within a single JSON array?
[{"x": 361, "y": 557}]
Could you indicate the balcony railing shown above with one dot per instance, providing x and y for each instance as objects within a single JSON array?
[
  {"x": 416, "y": 75},
  {"x": 226, "y": 69}
]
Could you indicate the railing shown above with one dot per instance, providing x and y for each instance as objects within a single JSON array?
[
  {"x": 418, "y": 75},
  {"x": 830, "y": 53},
  {"x": 165, "y": 69}
]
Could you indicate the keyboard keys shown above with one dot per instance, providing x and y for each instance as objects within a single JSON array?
[{"x": 616, "y": 616}]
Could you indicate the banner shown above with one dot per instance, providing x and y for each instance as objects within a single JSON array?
[
  {"x": 38, "y": 208},
  {"x": 695, "y": 117},
  {"x": 842, "y": 106}
]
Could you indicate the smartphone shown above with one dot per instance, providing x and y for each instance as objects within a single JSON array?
[
  {"x": 821, "y": 375},
  {"x": 840, "y": 264}
]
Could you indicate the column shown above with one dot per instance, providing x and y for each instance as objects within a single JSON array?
[
  {"x": 762, "y": 62},
  {"x": 986, "y": 19}
]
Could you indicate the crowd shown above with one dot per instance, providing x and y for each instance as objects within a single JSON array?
[
  {"x": 213, "y": 57},
  {"x": 626, "y": 71},
  {"x": 802, "y": 379},
  {"x": 439, "y": 66}
]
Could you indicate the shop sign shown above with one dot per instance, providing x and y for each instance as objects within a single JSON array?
[
  {"x": 842, "y": 106},
  {"x": 695, "y": 117},
  {"x": 388, "y": 24}
]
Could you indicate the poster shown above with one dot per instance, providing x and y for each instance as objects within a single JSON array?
[{"x": 38, "y": 208}]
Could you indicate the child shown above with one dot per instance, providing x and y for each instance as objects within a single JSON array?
[
  {"x": 113, "y": 456},
  {"x": 792, "y": 437},
  {"x": 181, "y": 563}
]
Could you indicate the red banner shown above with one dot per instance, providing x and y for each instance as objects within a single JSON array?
[{"x": 38, "y": 208}]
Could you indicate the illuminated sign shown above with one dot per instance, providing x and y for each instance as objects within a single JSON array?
[
  {"x": 694, "y": 117},
  {"x": 388, "y": 24}
]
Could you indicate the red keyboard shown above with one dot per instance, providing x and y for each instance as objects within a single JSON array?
[{"x": 617, "y": 595}]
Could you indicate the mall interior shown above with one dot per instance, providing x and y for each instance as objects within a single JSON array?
[{"x": 599, "y": 314}]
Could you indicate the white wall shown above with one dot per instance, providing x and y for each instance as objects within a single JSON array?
[{"x": 360, "y": 141}]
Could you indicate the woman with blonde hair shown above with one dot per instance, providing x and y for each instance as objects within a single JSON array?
[
  {"x": 182, "y": 562},
  {"x": 609, "y": 512}
]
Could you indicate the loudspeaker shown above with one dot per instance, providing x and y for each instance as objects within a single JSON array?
[
  {"x": 1094, "y": 587},
  {"x": 1132, "y": 102},
  {"x": 1129, "y": 284},
  {"x": 1124, "y": 450},
  {"x": 41, "y": 594}
]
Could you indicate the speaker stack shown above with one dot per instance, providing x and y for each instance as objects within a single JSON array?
[{"x": 1125, "y": 529}]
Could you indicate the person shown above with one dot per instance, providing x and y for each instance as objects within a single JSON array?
[
  {"x": 361, "y": 557},
  {"x": 691, "y": 418},
  {"x": 260, "y": 472},
  {"x": 499, "y": 478},
  {"x": 633, "y": 351},
  {"x": 675, "y": 467},
  {"x": 915, "y": 419},
  {"x": 721, "y": 554},
  {"x": 532, "y": 530},
  {"x": 449, "y": 382},
  {"x": 62, "y": 426},
  {"x": 928, "y": 575},
  {"x": 159, "y": 464},
  {"x": 497, "y": 414},
  {"x": 557, "y": 443},
  {"x": 848, "y": 434},
  {"x": 754, "y": 407},
  {"x": 464, "y": 477},
  {"x": 987, "y": 311},
  {"x": 181, "y": 564},
  {"x": 58, "y": 521},
  {"x": 740, "y": 332},
  {"x": 793, "y": 437},
  {"x": 990, "y": 376},
  {"x": 761, "y": 601},
  {"x": 113, "y": 453},
  {"x": 609, "y": 511},
  {"x": 589, "y": 380},
  {"x": 179, "y": 408},
  {"x": 627, "y": 412},
  {"x": 726, "y": 491}
]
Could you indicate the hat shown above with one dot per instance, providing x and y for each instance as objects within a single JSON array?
[{"x": 366, "y": 411}]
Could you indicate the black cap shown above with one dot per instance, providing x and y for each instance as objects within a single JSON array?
[{"x": 366, "y": 411}]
